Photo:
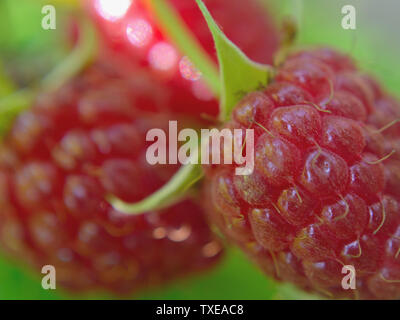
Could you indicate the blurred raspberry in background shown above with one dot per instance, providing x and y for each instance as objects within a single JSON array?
[{"x": 129, "y": 29}]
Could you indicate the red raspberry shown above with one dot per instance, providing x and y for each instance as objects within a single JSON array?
[
  {"x": 57, "y": 164},
  {"x": 325, "y": 191},
  {"x": 132, "y": 32}
]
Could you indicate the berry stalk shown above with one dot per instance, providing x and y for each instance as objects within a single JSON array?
[{"x": 238, "y": 76}]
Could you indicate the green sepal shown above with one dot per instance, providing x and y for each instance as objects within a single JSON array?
[{"x": 239, "y": 75}]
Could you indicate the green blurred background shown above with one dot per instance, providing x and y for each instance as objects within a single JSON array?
[{"x": 28, "y": 52}]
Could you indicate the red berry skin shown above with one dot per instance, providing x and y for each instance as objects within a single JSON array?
[
  {"x": 330, "y": 191},
  {"x": 60, "y": 160},
  {"x": 135, "y": 35}
]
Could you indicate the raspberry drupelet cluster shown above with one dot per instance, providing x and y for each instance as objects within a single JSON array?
[
  {"x": 325, "y": 190},
  {"x": 62, "y": 158}
]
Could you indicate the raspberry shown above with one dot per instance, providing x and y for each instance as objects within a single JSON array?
[
  {"x": 132, "y": 33},
  {"x": 58, "y": 163},
  {"x": 325, "y": 190}
]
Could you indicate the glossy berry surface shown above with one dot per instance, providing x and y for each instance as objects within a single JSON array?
[
  {"x": 325, "y": 190},
  {"x": 130, "y": 29},
  {"x": 62, "y": 158}
]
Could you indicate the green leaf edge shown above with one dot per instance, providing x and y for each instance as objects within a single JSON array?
[{"x": 239, "y": 75}]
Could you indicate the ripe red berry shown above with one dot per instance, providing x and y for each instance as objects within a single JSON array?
[
  {"x": 132, "y": 32},
  {"x": 58, "y": 163},
  {"x": 325, "y": 190}
]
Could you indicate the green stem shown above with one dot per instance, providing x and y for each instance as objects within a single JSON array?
[
  {"x": 17, "y": 101},
  {"x": 13, "y": 104},
  {"x": 175, "y": 28},
  {"x": 176, "y": 188},
  {"x": 75, "y": 62},
  {"x": 170, "y": 193},
  {"x": 6, "y": 85}
]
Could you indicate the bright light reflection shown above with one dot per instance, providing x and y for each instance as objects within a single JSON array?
[
  {"x": 139, "y": 32},
  {"x": 188, "y": 70},
  {"x": 163, "y": 56},
  {"x": 112, "y": 10}
]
